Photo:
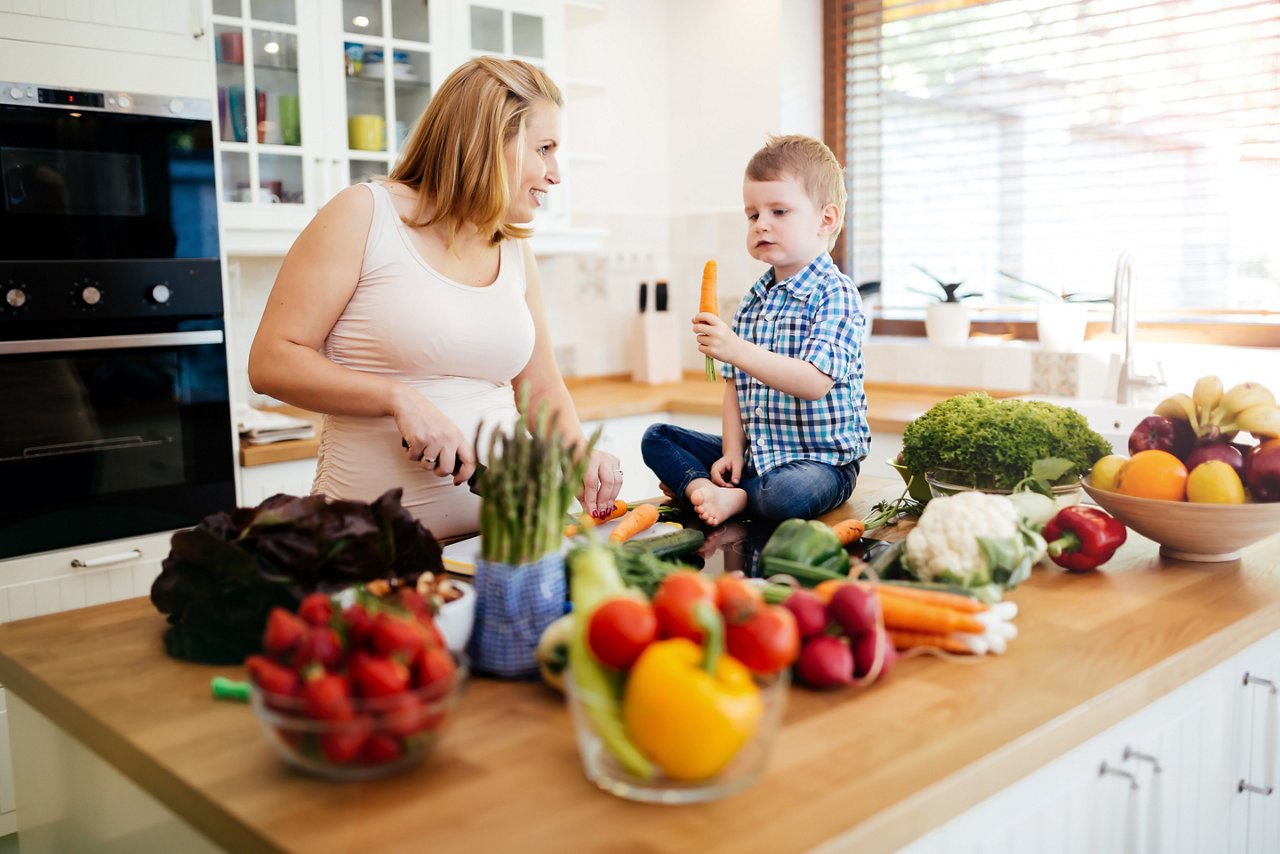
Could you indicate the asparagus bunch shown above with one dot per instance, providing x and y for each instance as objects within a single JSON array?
[{"x": 531, "y": 479}]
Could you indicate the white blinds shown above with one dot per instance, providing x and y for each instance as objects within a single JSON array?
[{"x": 1043, "y": 137}]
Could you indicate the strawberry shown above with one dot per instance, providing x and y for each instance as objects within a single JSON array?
[
  {"x": 328, "y": 698},
  {"x": 283, "y": 633},
  {"x": 377, "y": 677},
  {"x": 316, "y": 609},
  {"x": 380, "y": 749},
  {"x": 320, "y": 645},
  {"x": 402, "y": 715},
  {"x": 271, "y": 677},
  {"x": 359, "y": 624},
  {"x": 343, "y": 744},
  {"x": 396, "y": 636},
  {"x": 434, "y": 668},
  {"x": 412, "y": 600}
]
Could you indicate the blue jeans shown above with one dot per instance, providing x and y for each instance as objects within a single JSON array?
[{"x": 801, "y": 489}]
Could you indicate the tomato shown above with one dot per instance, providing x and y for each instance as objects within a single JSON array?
[
  {"x": 619, "y": 629},
  {"x": 677, "y": 595},
  {"x": 739, "y": 600},
  {"x": 766, "y": 643}
]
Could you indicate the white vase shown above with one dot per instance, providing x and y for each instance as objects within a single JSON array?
[
  {"x": 947, "y": 324},
  {"x": 1060, "y": 326}
]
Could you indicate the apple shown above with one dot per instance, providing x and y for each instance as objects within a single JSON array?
[
  {"x": 1263, "y": 477},
  {"x": 1223, "y": 451},
  {"x": 1157, "y": 433}
]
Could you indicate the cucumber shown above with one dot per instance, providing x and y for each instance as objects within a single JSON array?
[{"x": 669, "y": 545}]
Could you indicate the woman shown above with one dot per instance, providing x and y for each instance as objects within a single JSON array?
[{"x": 412, "y": 309}]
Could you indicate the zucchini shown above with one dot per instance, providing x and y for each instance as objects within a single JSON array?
[{"x": 669, "y": 545}]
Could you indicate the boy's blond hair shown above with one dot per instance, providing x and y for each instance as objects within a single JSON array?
[
  {"x": 808, "y": 161},
  {"x": 454, "y": 157}
]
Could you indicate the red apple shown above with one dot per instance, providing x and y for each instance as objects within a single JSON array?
[
  {"x": 1223, "y": 451},
  {"x": 1264, "y": 471},
  {"x": 1155, "y": 432}
]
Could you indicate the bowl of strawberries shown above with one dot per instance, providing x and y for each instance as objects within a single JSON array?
[{"x": 358, "y": 692}]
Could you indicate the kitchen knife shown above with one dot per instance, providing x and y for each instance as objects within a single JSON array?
[
  {"x": 660, "y": 296},
  {"x": 644, "y": 296},
  {"x": 473, "y": 482}
]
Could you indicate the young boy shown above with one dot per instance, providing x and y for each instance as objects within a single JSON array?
[{"x": 795, "y": 416}]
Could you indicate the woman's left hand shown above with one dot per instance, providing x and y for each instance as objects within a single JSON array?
[{"x": 601, "y": 483}]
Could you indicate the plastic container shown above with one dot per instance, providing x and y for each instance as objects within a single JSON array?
[{"x": 944, "y": 482}]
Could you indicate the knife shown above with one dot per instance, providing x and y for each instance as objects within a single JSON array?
[{"x": 473, "y": 482}]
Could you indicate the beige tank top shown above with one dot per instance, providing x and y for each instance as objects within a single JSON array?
[{"x": 460, "y": 346}]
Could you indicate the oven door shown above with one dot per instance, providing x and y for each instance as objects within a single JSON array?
[{"x": 112, "y": 436}]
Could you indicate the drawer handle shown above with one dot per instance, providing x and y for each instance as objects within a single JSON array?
[
  {"x": 1154, "y": 799},
  {"x": 1131, "y": 811},
  {"x": 1268, "y": 785},
  {"x": 107, "y": 560}
]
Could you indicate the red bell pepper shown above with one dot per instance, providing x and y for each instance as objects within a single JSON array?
[{"x": 1083, "y": 538}]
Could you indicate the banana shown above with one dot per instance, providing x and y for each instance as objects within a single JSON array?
[
  {"x": 1207, "y": 394},
  {"x": 1241, "y": 397},
  {"x": 1179, "y": 407},
  {"x": 1262, "y": 421}
]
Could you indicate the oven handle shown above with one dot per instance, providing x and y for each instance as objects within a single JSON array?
[{"x": 112, "y": 342}]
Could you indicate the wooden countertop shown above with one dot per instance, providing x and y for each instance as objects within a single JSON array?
[
  {"x": 870, "y": 768},
  {"x": 889, "y": 408}
]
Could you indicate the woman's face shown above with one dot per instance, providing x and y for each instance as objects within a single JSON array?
[{"x": 531, "y": 165}]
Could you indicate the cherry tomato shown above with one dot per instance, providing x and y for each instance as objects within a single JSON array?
[
  {"x": 767, "y": 642},
  {"x": 739, "y": 600},
  {"x": 674, "y": 602},
  {"x": 619, "y": 629}
]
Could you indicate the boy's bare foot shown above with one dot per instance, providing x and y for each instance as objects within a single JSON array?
[{"x": 714, "y": 504}]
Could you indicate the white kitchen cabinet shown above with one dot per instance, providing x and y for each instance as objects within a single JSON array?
[
  {"x": 8, "y": 814},
  {"x": 261, "y": 482},
  {"x": 1255, "y": 815}
]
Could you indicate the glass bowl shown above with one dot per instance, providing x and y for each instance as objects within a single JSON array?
[
  {"x": 943, "y": 482},
  {"x": 386, "y": 735},
  {"x": 605, "y": 771}
]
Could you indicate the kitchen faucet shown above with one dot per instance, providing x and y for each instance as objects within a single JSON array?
[{"x": 1122, "y": 299}]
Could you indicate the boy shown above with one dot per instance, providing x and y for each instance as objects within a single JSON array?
[{"x": 795, "y": 416}]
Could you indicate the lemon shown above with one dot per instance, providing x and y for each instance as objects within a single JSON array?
[
  {"x": 1215, "y": 482},
  {"x": 1103, "y": 473}
]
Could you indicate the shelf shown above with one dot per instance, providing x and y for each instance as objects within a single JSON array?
[{"x": 547, "y": 242}]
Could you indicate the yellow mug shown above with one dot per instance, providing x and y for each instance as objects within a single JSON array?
[{"x": 367, "y": 132}]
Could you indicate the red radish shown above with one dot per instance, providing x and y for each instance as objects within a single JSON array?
[
  {"x": 809, "y": 610},
  {"x": 864, "y": 653},
  {"x": 853, "y": 609},
  {"x": 826, "y": 662}
]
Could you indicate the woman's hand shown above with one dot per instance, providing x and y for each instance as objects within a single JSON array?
[
  {"x": 727, "y": 471},
  {"x": 600, "y": 484},
  {"x": 435, "y": 443},
  {"x": 715, "y": 338}
]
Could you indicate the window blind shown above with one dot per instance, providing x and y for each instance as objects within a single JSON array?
[{"x": 1044, "y": 137}]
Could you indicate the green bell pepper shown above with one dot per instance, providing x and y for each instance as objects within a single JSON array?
[{"x": 808, "y": 550}]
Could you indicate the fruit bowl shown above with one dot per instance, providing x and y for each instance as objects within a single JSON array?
[
  {"x": 943, "y": 482},
  {"x": 385, "y": 736},
  {"x": 1187, "y": 530},
  {"x": 606, "y": 772}
]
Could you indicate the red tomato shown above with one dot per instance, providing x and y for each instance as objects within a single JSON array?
[
  {"x": 739, "y": 600},
  {"x": 619, "y": 629},
  {"x": 677, "y": 595},
  {"x": 767, "y": 642}
]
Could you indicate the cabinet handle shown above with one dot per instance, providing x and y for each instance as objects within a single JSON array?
[
  {"x": 107, "y": 560},
  {"x": 1131, "y": 811},
  {"x": 1268, "y": 785},
  {"x": 1153, "y": 798}
]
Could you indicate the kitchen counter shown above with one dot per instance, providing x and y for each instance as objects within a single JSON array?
[
  {"x": 871, "y": 769},
  {"x": 889, "y": 408}
]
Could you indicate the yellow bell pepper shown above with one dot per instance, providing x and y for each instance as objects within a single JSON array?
[{"x": 691, "y": 709}]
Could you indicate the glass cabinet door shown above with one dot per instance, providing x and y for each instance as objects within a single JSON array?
[{"x": 259, "y": 102}]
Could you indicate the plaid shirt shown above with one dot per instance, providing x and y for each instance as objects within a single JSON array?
[{"x": 816, "y": 316}]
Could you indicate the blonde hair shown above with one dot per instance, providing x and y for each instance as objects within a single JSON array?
[
  {"x": 454, "y": 157},
  {"x": 807, "y": 160}
]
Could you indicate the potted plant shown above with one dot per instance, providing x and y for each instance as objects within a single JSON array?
[
  {"x": 946, "y": 321},
  {"x": 1061, "y": 316}
]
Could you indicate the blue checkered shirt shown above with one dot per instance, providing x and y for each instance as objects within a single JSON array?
[{"x": 816, "y": 315}]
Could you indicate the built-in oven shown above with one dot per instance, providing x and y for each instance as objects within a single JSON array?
[{"x": 114, "y": 408}]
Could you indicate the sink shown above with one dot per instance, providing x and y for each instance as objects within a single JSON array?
[{"x": 1113, "y": 421}]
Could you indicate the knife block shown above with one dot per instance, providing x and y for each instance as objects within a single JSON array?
[{"x": 658, "y": 345}]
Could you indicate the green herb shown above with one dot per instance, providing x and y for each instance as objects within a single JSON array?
[{"x": 890, "y": 511}]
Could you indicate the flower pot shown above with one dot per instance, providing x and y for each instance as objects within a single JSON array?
[
  {"x": 514, "y": 604},
  {"x": 947, "y": 324},
  {"x": 1060, "y": 326}
]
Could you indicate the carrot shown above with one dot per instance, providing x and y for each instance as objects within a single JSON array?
[
  {"x": 644, "y": 517},
  {"x": 848, "y": 530},
  {"x": 954, "y": 601},
  {"x": 709, "y": 302},
  {"x": 586, "y": 521},
  {"x": 903, "y": 613},
  {"x": 916, "y": 640}
]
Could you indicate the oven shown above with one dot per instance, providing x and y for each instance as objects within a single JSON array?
[{"x": 115, "y": 416}]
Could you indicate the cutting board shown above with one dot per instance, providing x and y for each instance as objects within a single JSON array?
[{"x": 460, "y": 557}]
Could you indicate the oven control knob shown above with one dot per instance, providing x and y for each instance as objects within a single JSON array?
[
  {"x": 160, "y": 294},
  {"x": 16, "y": 297},
  {"x": 91, "y": 295},
  {"x": 176, "y": 105},
  {"x": 15, "y": 93},
  {"x": 124, "y": 101}
]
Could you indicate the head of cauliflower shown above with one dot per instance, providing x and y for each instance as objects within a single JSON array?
[{"x": 944, "y": 544}]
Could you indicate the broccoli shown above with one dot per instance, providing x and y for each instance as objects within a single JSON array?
[{"x": 999, "y": 440}]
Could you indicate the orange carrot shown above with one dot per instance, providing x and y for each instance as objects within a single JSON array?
[
  {"x": 849, "y": 530},
  {"x": 644, "y": 517},
  {"x": 916, "y": 640},
  {"x": 954, "y": 601},
  {"x": 587, "y": 521},
  {"x": 710, "y": 303},
  {"x": 903, "y": 613}
]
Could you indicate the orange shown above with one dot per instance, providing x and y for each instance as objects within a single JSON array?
[{"x": 1153, "y": 474}]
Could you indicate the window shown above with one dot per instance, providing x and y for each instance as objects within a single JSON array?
[{"x": 1044, "y": 137}]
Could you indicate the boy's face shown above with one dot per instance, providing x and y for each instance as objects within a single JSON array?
[{"x": 784, "y": 227}]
